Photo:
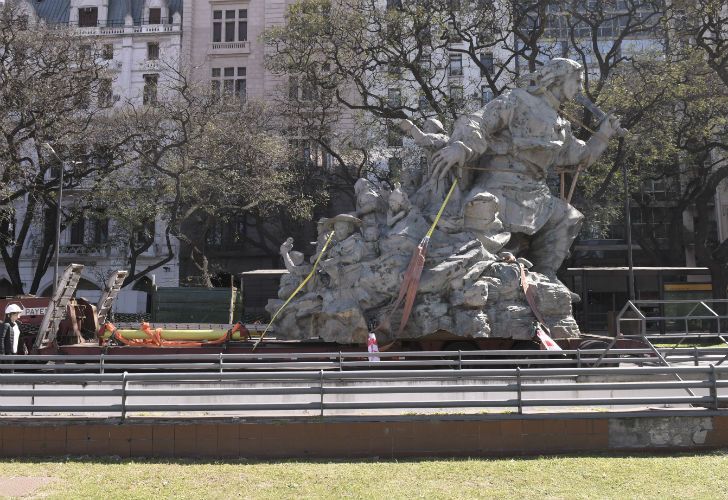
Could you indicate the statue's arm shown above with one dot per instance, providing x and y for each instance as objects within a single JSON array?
[
  {"x": 286, "y": 248},
  {"x": 580, "y": 154},
  {"x": 470, "y": 135},
  {"x": 472, "y": 131}
]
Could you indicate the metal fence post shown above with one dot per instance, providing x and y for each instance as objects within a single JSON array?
[
  {"x": 695, "y": 356},
  {"x": 123, "y": 395},
  {"x": 578, "y": 357},
  {"x": 220, "y": 361},
  {"x": 518, "y": 385},
  {"x": 341, "y": 362},
  {"x": 460, "y": 359},
  {"x": 321, "y": 391},
  {"x": 101, "y": 367},
  {"x": 714, "y": 387}
]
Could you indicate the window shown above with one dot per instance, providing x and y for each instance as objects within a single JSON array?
[
  {"x": 54, "y": 162},
  {"x": 230, "y": 25},
  {"x": 150, "y": 89},
  {"x": 395, "y": 168},
  {"x": 83, "y": 99},
  {"x": 394, "y": 135},
  {"x": 88, "y": 16},
  {"x": 217, "y": 26},
  {"x": 103, "y": 156},
  {"x": 394, "y": 98},
  {"x": 229, "y": 82},
  {"x": 424, "y": 103},
  {"x": 108, "y": 52},
  {"x": 425, "y": 35},
  {"x": 456, "y": 65},
  {"x": 84, "y": 52},
  {"x": 213, "y": 236},
  {"x": 457, "y": 96},
  {"x": 242, "y": 25},
  {"x": 104, "y": 94},
  {"x": 486, "y": 64},
  {"x": 240, "y": 84},
  {"x": 394, "y": 69},
  {"x": 144, "y": 234},
  {"x": 148, "y": 157},
  {"x": 153, "y": 51},
  {"x": 486, "y": 95},
  {"x": 101, "y": 231},
  {"x": 425, "y": 62},
  {"x": 155, "y": 16},
  {"x": 77, "y": 232}
]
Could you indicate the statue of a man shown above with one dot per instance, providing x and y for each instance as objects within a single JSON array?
[
  {"x": 518, "y": 138},
  {"x": 297, "y": 269}
]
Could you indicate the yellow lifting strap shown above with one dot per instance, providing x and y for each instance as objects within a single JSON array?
[
  {"x": 442, "y": 209},
  {"x": 298, "y": 289}
]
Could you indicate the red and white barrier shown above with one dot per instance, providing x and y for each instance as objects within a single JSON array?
[{"x": 372, "y": 346}]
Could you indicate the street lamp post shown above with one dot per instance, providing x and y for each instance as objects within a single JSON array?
[
  {"x": 58, "y": 219},
  {"x": 628, "y": 230},
  {"x": 58, "y": 215}
]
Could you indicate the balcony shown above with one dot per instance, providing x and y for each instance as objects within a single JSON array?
[
  {"x": 90, "y": 250},
  {"x": 113, "y": 65},
  {"x": 124, "y": 30},
  {"x": 150, "y": 65},
  {"x": 100, "y": 30},
  {"x": 229, "y": 48},
  {"x": 157, "y": 28}
]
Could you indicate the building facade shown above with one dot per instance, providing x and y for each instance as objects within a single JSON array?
[{"x": 140, "y": 42}]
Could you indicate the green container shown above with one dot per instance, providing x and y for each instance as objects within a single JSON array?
[{"x": 196, "y": 305}]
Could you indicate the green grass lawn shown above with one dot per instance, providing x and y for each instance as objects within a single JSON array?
[{"x": 680, "y": 476}]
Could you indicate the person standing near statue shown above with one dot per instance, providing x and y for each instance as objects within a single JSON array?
[
  {"x": 518, "y": 139},
  {"x": 9, "y": 330}
]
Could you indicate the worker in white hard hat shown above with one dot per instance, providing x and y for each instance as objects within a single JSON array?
[{"x": 9, "y": 330}]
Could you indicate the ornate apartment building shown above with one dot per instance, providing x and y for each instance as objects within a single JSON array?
[{"x": 140, "y": 41}]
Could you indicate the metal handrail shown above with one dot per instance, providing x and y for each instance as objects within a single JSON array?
[
  {"x": 125, "y": 393},
  {"x": 221, "y": 362},
  {"x": 708, "y": 314}
]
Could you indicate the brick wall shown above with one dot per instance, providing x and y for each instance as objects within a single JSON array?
[{"x": 437, "y": 437}]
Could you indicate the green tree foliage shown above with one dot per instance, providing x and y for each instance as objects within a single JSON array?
[
  {"x": 201, "y": 159},
  {"x": 185, "y": 158},
  {"x": 661, "y": 68},
  {"x": 49, "y": 84}
]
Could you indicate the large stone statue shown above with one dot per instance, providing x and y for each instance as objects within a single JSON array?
[
  {"x": 517, "y": 138},
  {"x": 501, "y": 233}
]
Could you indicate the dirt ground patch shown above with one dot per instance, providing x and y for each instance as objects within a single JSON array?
[{"x": 22, "y": 486}]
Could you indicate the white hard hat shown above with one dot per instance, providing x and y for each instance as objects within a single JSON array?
[{"x": 13, "y": 308}]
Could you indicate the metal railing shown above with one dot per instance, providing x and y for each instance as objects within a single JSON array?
[
  {"x": 316, "y": 393},
  {"x": 699, "y": 319},
  {"x": 341, "y": 361}
]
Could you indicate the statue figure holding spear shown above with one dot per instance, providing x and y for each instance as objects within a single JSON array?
[{"x": 510, "y": 147}]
